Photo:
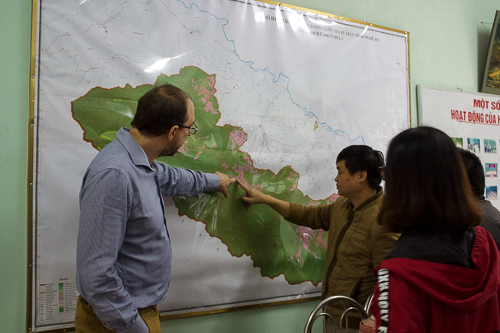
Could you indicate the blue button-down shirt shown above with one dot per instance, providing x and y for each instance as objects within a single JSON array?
[{"x": 123, "y": 248}]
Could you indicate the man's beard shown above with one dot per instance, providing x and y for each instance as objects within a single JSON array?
[
  {"x": 171, "y": 150},
  {"x": 168, "y": 152}
]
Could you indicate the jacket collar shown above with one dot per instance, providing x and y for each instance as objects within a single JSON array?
[{"x": 371, "y": 199}]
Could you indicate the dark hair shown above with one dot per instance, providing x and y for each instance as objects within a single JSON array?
[
  {"x": 363, "y": 158},
  {"x": 161, "y": 108},
  {"x": 426, "y": 184},
  {"x": 475, "y": 171}
]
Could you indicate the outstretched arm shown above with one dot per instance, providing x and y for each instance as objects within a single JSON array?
[
  {"x": 253, "y": 197},
  {"x": 178, "y": 181},
  {"x": 225, "y": 181}
]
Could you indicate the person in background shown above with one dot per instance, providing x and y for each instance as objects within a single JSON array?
[
  {"x": 490, "y": 215},
  {"x": 442, "y": 275},
  {"x": 123, "y": 249},
  {"x": 356, "y": 243}
]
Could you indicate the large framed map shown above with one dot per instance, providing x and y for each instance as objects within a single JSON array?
[{"x": 278, "y": 92}]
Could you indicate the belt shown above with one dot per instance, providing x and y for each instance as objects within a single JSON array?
[{"x": 84, "y": 301}]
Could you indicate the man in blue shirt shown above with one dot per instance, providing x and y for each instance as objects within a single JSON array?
[{"x": 123, "y": 249}]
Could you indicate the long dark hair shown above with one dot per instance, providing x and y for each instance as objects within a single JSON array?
[{"x": 426, "y": 184}]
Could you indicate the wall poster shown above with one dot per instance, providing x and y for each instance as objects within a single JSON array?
[{"x": 472, "y": 120}]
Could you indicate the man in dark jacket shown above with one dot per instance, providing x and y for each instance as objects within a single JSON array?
[
  {"x": 357, "y": 244},
  {"x": 491, "y": 215}
]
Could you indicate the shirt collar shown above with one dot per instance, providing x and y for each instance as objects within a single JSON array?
[{"x": 137, "y": 154}]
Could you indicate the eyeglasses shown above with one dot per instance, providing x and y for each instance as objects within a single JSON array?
[{"x": 192, "y": 129}]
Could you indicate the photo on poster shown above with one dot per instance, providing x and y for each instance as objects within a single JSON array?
[
  {"x": 459, "y": 142},
  {"x": 490, "y": 169},
  {"x": 474, "y": 145},
  {"x": 490, "y": 146},
  {"x": 491, "y": 193}
]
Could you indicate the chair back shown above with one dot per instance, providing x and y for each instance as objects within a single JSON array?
[
  {"x": 348, "y": 305},
  {"x": 368, "y": 304}
]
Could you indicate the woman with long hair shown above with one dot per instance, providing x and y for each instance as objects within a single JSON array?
[{"x": 442, "y": 275}]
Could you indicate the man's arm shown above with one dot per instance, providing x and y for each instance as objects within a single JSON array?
[
  {"x": 178, "y": 181},
  {"x": 225, "y": 181},
  {"x": 315, "y": 217},
  {"x": 104, "y": 208},
  {"x": 253, "y": 197}
]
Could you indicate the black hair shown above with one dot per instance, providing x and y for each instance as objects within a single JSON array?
[
  {"x": 475, "y": 171},
  {"x": 363, "y": 158}
]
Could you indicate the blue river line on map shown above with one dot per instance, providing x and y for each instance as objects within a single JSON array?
[{"x": 250, "y": 64}]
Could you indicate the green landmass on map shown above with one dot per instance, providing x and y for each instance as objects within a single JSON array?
[{"x": 275, "y": 245}]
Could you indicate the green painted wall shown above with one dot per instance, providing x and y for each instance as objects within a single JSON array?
[
  {"x": 15, "y": 30},
  {"x": 448, "y": 41}
]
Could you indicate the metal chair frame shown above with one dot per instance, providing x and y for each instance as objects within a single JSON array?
[{"x": 353, "y": 305}]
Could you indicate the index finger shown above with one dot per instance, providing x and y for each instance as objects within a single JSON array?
[{"x": 242, "y": 185}]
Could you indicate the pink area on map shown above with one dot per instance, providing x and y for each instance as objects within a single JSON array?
[
  {"x": 210, "y": 108},
  {"x": 237, "y": 136},
  {"x": 306, "y": 236},
  {"x": 241, "y": 169},
  {"x": 319, "y": 240},
  {"x": 224, "y": 165},
  {"x": 238, "y": 169},
  {"x": 205, "y": 91},
  {"x": 199, "y": 152},
  {"x": 332, "y": 199},
  {"x": 294, "y": 187},
  {"x": 183, "y": 149},
  {"x": 313, "y": 203},
  {"x": 258, "y": 187}
]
